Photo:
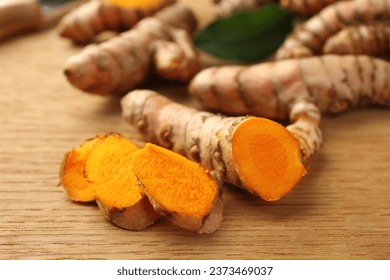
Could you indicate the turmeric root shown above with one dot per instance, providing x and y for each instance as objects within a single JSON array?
[
  {"x": 179, "y": 189},
  {"x": 303, "y": 7},
  {"x": 309, "y": 38},
  {"x": 119, "y": 64},
  {"x": 256, "y": 154},
  {"x": 84, "y": 23},
  {"x": 100, "y": 170},
  {"x": 298, "y": 89},
  {"x": 332, "y": 83},
  {"x": 229, "y": 7},
  {"x": 363, "y": 39}
]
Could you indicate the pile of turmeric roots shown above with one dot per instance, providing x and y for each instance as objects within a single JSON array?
[{"x": 333, "y": 61}]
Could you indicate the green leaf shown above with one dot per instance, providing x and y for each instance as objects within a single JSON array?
[{"x": 247, "y": 36}]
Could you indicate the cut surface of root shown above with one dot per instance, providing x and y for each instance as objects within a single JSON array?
[
  {"x": 108, "y": 169},
  {"x": 179, "y": 189},
  {"x": 72, "y": 177},
  {"x": 268, "y": 158}
]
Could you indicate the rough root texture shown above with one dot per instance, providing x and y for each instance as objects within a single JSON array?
[
  {"x": 185, "y": 193},
  {"x": 333, "y": 83},
  {"x": 256, "y": 154},
  {"x": 370, "y": 39},
  {"x": 84, "y": 23},
  {"x": 124, "y": 61},
  {"x": 310, "y": 37},
  {"x": 302, "y": 7}
]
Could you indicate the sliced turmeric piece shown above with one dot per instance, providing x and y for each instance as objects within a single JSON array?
[
  {"x": 100, "y": 170},
  {"x": 108, "y": 168},
  {"x": 256, "y": 154},
  {"x": 72, "y": 177},
  {"x": 179, "y": 189}
]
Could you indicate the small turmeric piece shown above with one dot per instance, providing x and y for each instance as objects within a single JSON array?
[
  {"x": 72, "y": 176},
  {"x": 188, "y": 195},
  {"x": 84, "y": 23},
  {"x": 121, "y": 63},
  {"x": 310, "y": 37},
  {"x": 102, "y": 172},
  {"x": 370, "y": 39},
  {"x": 256, "y": 154}
]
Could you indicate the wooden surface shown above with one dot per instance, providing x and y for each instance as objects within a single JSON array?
[{"x": 340, "y": 210}]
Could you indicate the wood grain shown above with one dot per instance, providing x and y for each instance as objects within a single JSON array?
[{"x": 340, "y": 210}]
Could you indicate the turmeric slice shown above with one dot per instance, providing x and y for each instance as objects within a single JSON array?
[
  {"x": 103, "y": 173},
  {"x": 256, "y": 154},
  {"x": 84, "y": 23},
  {"x": 109, "y": 170},
  {"x": 179, "y": 189},
  {"x": 72, "y": 177}
]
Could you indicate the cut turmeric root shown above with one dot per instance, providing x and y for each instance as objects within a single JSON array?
[
  {"x": 256, "y": 154},
  {"x": 179, "y": 189},
  {"x": 83, "y": 24},
  {"x": 103, "y": 173}
]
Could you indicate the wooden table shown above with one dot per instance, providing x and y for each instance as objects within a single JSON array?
[{"x": 340, "y": 210}]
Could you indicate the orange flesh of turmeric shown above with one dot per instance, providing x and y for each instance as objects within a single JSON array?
[
  {"x": 109, "y": 170},
  {"x": 141, "y": 4},
  {"x": 268, "y": 157},
  {"x": 72, "y": 175},
  {"x": 183, "y": 188}
]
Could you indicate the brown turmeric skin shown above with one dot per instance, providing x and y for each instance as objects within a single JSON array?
[
  {"x": 302, "y": 7},
  {"x": 298, "y": 89},
  {"x": 99, "y": 170},
  {"x": 370, "y": 39},
  {"x": 93, "y": 17},
  {"x": 179, "y": 189},
  {"x": 256, "y": 154},
  {"x": 309, "y": 38},
  {"x": 121, "y": 63},
  {"x": 332, "y": 83}
]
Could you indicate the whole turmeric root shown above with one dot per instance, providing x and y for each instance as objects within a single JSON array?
[
  {"x": 84, "y": 23},
  {"x": 370, "y": 39},
  {"x": 121, "y": 63},
  {"x": 332, "y": 83},
  {"x": 99, "y": 170},
  {"x": 256, "y": 154},
  {"x": 309, "y": 38},
  {"x": 179, "y": 189},
  {"x": 302, "y": 7}
]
